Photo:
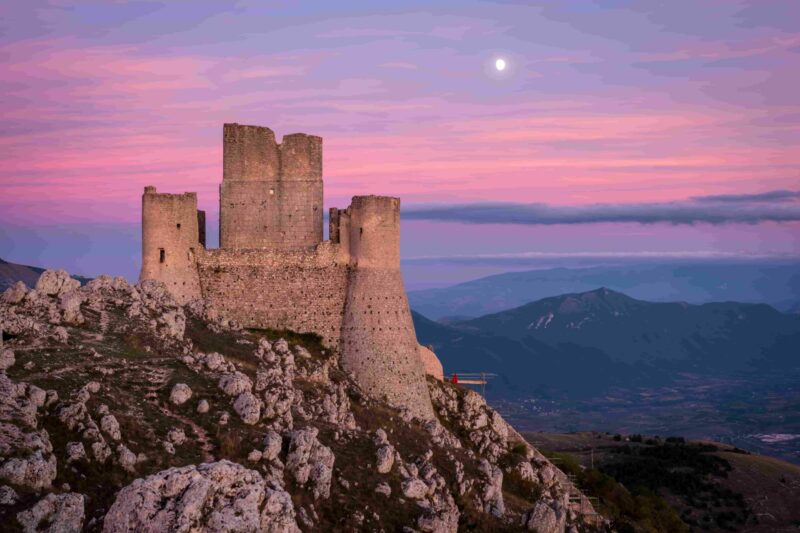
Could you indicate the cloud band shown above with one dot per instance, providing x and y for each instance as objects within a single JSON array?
[{"x": 773, "y": 206}]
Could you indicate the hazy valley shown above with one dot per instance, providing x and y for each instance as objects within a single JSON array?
[{"x": 604, "y": 361}]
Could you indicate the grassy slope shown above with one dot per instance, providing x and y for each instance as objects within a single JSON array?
[{"x": 770, "y": 488}]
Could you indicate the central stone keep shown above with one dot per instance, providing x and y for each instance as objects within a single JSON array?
[
  {"x": 273, "y": 270},
  {"x": 271, "y": 194}
]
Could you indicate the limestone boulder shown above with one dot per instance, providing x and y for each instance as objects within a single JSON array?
[
  {"x": 213, "y": 360},
  {"x": 7, "y": 359},
  {"x": 126, "y": 458},
  {"x": 545, "y": 517},
  {"x": 180, "y": 394},
  {"x": 211, "y": 497},
  {"x": 70, "y": 305},
  {"x": 384, "y": 488},
  {"x": 202, "y": 406},
  {"x": 26, "y": 457},
  {"x": 55, "y": 513},
  {"x": 75, "y": 452},
  {"x": 385, "y": 458},
  {"x": 441, "y": 516},
  {"x": 310, "y": 462},
  {"x": 272, "y": 445},
  {"x": 176, "y": 436},
  {"x": 56, "y": 282},
  {"x": 414, "y": 488},
  {"x": 15, "y": 294},
  {"x": 248, "y": 407},
  {"x": 172, "y": 324},
  {"x": 35, "y": 469},
  {"x": 8, "y": 496},
  {"x": 110, "y": 427},
  {"x": 492, "y": 490},
  {"x": 235, "y": 383}
]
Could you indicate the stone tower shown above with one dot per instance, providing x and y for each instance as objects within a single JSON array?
[
  {"x": 379, "y": 344},
  {"x": 173, "y": 234},
  {"x": 271, "y": 194}
]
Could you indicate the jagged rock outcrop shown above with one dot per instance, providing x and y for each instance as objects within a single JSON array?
[
  {"x": 309, "y": 461},
  {"x": 115, "y": 389},
  {"x": 546, "y": 518},
  {"x": 56, "y": 283},
  {"x": 213, "y": 497},
  {"x": 26, "y": 457}
]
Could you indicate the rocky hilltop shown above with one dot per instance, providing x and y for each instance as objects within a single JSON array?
[{"x": 121, "y": 410}]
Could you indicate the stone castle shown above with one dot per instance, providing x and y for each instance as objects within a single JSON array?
[{"x": 274, "y": 270}]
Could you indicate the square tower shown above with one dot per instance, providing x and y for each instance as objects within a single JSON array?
[{"x": 271, "y": 194}]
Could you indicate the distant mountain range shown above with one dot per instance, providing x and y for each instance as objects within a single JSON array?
[
  {"x": 776, "y": 284},
  {"x": 10, "y": 273},
  {"x": 582, "y": 344}
]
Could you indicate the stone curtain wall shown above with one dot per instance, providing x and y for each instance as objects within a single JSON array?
[
  {"x": 271, "y": 194},
  {"x": 171, "y": 241},
  {"x": 303, "y": 291}
]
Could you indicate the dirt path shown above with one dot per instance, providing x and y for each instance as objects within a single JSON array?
[{"x": 201, "y": 435}]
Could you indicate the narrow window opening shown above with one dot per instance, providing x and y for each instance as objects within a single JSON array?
[
  {"x": 179, "y": 225},
  {"x": 162, "y": 255}
]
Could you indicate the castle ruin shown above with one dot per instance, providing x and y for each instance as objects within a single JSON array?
[{"x": 274, "y": 270}]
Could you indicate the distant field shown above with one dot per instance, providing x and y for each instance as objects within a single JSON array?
[{"x": 769, "y": 487}]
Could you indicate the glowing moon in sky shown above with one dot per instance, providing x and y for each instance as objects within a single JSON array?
[{"x": 500, "y": 64}]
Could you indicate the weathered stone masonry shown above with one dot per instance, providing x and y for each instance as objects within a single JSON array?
[{"x": 274, "y": 270}]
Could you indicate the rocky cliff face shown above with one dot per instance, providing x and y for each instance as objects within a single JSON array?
[{"x": 122, "y": 411}]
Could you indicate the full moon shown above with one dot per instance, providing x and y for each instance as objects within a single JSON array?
[{"x": 500, "y": 64}]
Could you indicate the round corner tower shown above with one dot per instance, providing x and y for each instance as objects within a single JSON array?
[
  {"x": 379, "y": 344},
  {"x": 271, "y": 194},
  {"x": 173, "y": 233}
]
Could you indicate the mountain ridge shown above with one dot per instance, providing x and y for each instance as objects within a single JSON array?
[
  {"x": 777, "y": 284},
  {"x": 644, "y": 337}
]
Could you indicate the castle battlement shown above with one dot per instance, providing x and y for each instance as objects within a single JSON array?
[{"x": 273, "y": 270}]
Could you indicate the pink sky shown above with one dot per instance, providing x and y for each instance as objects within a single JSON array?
[{"x": 602, "y": 103}]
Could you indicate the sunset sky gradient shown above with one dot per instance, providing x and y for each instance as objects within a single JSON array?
[{"x": 626, "y": 104}]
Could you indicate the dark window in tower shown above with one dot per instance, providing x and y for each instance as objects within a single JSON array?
[
  {"x": 179, "y": 225},
  {"x": 162, "y": 255}
]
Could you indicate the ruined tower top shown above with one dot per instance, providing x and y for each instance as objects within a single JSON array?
[
  {"x": 251, "y": 153},
  {"x": 271, "y": 194}
]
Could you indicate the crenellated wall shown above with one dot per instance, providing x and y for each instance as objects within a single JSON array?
[{"x": 274, "y": 271}]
